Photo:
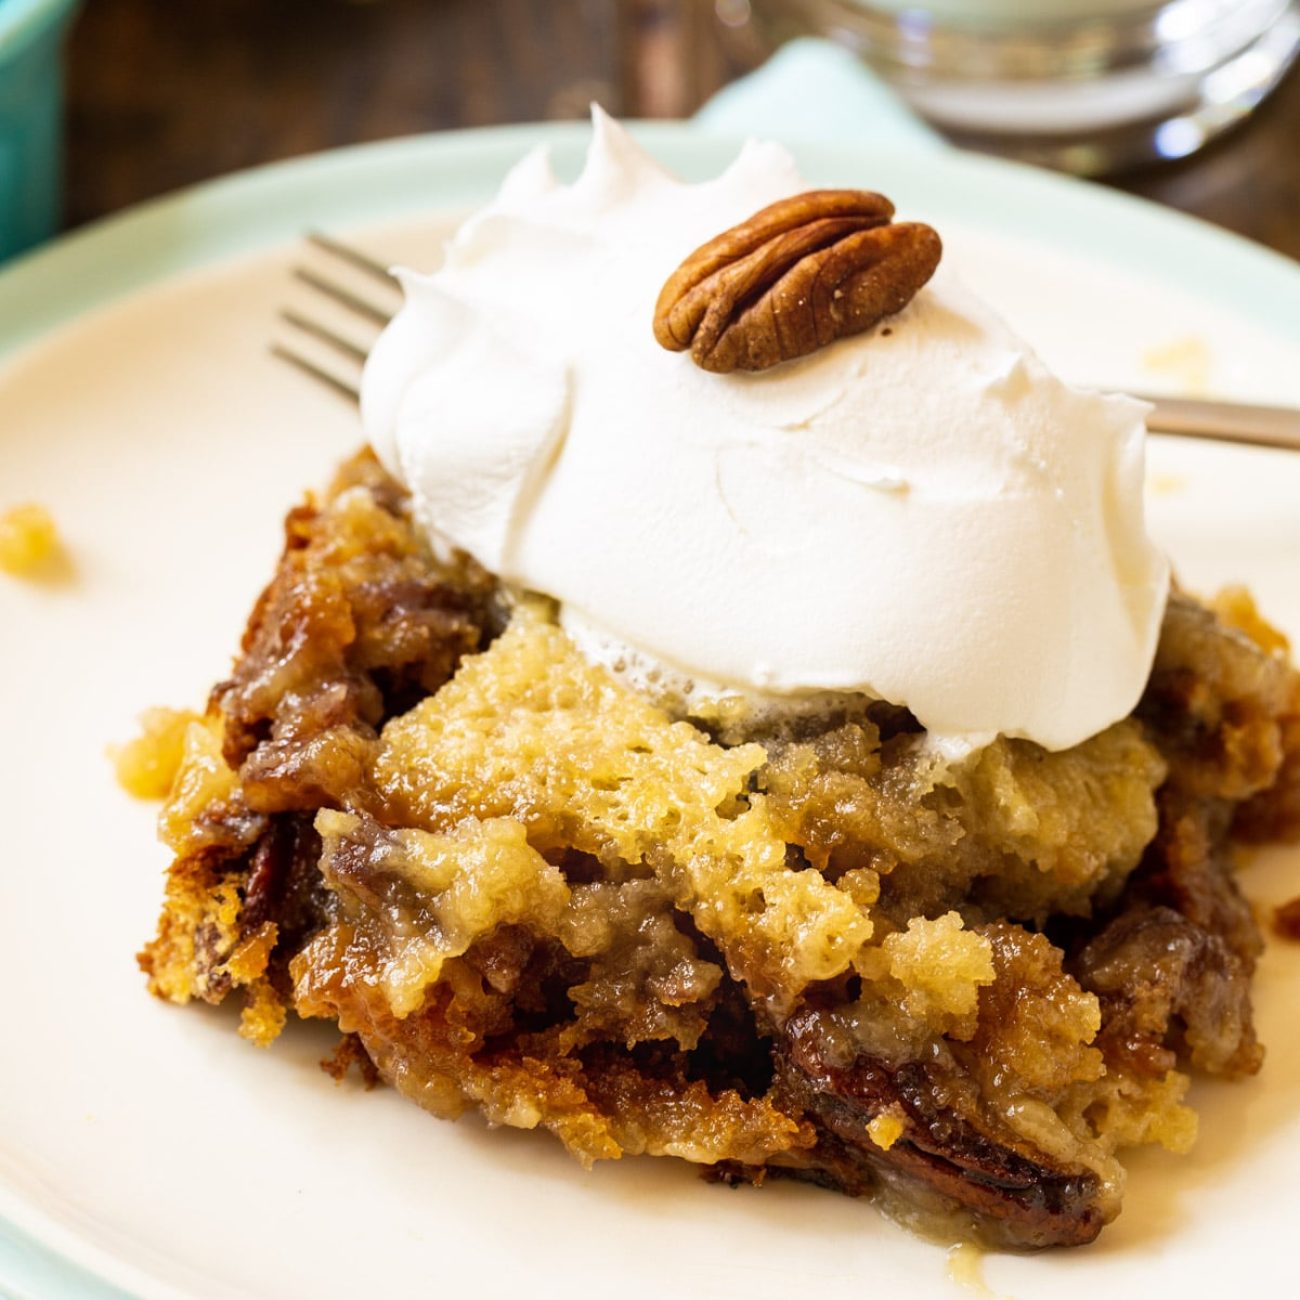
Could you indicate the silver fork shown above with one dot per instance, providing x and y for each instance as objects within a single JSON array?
[
  {"x": 363, "y": 307},
  {"x": 1189, "y": 417}
]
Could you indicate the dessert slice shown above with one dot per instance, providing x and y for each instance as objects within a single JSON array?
[
  {"x": 519, "y": 886},
  {"x": 783, "y": 752}
]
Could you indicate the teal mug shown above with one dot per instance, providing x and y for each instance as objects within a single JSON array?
[{"x": 31, "y": 95}]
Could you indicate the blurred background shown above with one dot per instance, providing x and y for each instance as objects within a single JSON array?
[{"x": 161, "y": 94}]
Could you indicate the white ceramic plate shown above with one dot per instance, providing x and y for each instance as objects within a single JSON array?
[{"x": 149, "y": 1149}]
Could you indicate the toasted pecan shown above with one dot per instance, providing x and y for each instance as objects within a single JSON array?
[{"x": 794, "y": 277}]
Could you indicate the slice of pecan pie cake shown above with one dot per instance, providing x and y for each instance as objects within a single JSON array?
[{"x": 735, "y": 712}]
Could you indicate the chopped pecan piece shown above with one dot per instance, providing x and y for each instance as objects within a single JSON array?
[
  {"x": 944, "y": 1160},
  {"x": 1286, "y": 920},
  {"x": 1166, "y": 983},
  {"x": 795, "y": 277}
]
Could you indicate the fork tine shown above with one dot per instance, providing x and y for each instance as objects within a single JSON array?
[
  {"x": 318, "y": 331},
  {"x": 319, "y": 373},
  {"x": 345, "y": 297},
  {"x": 352, "y": 255}
]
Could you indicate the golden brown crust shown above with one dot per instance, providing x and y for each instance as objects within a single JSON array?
[{"x": 356, "y": 623}]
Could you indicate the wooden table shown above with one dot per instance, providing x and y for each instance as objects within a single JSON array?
[{"x": 163, "y": 94}]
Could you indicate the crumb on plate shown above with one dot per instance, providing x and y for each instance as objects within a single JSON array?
[
  {"x": 966, "y": 1269},
  {"x": 1166, "y": 485},
  {"x": 1187, "y": 361},
  {"x": 147, "y": 765},
  {"x": 29, "y": 541}
]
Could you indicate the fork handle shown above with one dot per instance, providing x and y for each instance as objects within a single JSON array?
[{"x": 1257, "y": 426}]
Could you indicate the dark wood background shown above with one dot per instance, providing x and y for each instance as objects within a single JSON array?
[{"x": 165, "y": 92}]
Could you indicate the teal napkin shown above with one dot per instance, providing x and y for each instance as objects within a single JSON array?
[
  {"x": 816, "y": 90},
  {"x": 31, "y": 93}
]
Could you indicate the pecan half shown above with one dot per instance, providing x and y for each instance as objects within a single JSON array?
[{"x": 796, "y": 276}]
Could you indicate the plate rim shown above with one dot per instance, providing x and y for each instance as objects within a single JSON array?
[
  {"x": 204, "y": 225},
  {"x": 257, "y": 208}
]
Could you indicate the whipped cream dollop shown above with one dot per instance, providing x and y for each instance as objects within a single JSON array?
[{"x": 922, "y": 513}]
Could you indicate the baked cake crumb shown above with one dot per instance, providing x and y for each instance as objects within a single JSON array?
[
  {"x": 29, "y": 541},
  {"x": 885, "y": 1128},
  {"x": 1186, "y": 361},
  {"x": 147, "y": 765}
]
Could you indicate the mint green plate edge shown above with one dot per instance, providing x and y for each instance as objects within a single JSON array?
[
  {"x": 348, "y": 187},
  {"x": 276, "y": 204}
]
